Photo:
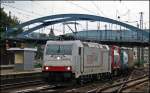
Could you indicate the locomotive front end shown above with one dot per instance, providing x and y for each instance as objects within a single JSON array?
[{"x": 57, "y": 66}]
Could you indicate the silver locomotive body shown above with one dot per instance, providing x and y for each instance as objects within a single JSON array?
[{"x": 68, "y": 60}]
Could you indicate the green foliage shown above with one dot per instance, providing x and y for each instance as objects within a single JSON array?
[
  {"x": 38, "y": 65},
  {"x": 39, "y": 54},
  {"x": 7, "y": 21}
]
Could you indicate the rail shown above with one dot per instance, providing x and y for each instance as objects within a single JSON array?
[
  {"x": 129, "y": 84},
  {"x": 20, "y": 84}
]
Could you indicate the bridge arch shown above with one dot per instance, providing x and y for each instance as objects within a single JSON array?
[{"x": 59, "y": 18}]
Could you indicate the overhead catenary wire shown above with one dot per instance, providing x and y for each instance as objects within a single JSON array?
[
  {"x": 127, "y": 13},
  {"x": 22, "y": 10},
  {"x": 43, "y": 7},
  {"x": 98, "y": 9},
  {"x": 21, "y": 13},
  {"x": 83, "y": 8},
  {"x": 31, "y": 12}
]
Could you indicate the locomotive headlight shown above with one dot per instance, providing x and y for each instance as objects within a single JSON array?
[
  {"x": 58, "y": 58},
  {"x": 68, "y": 68},
  {"x": 46, "y": 68}
]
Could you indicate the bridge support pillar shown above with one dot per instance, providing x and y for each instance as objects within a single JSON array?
[{"x": 138, "y": 54}]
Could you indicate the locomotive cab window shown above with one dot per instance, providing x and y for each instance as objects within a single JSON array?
[{"x": 59, "y": 50}]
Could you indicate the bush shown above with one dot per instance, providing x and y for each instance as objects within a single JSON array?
[{"x": 38, "y": 65}]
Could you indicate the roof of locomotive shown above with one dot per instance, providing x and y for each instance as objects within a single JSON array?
[
  {"x": 77, "y": 42},
  {"x": 97, "y": 45},
  {"x": 80, "y": 43}
]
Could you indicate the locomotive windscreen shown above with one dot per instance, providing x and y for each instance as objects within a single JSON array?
[{"x": 58, "y": 49}]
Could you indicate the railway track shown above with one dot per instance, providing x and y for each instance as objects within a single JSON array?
[
  {"x": 16, "y": 78},
  {"x": 54, "y": 89},
  {"x": 121, "y": 84},
  {"x": 44, "y": 89},
  {"x": 20, "y": 84},
  {"x": 40, "y": 89},
  {"x": 15, "y": 81},
  {"x": 108, "y": 89}
]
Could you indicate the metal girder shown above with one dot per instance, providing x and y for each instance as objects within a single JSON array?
[
  {"x": 46, "y": 24},
  {"x": 74, "y": 17}
]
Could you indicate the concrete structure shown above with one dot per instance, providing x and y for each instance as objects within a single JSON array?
[
  {"x": 145, "y": 54},
  {"x": 24, "y": 58}
]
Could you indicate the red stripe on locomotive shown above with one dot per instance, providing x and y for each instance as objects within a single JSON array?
[{"x": 57, "y": 68}]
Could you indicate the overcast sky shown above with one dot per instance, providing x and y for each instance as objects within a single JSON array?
[{"x": 127, "y": 10}]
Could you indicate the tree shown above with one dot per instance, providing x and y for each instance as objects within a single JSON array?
[{"x": 7, "y": 21}]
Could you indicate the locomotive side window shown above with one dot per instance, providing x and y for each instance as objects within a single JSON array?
[
  {"x": 59, "y": 50},
  {"x": 79, "y": 50}
]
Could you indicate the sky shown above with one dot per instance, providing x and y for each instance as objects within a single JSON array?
[{"x": 127, "y": 10}]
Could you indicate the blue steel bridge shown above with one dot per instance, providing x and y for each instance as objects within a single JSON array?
[{"x": 128, "y": 35}]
